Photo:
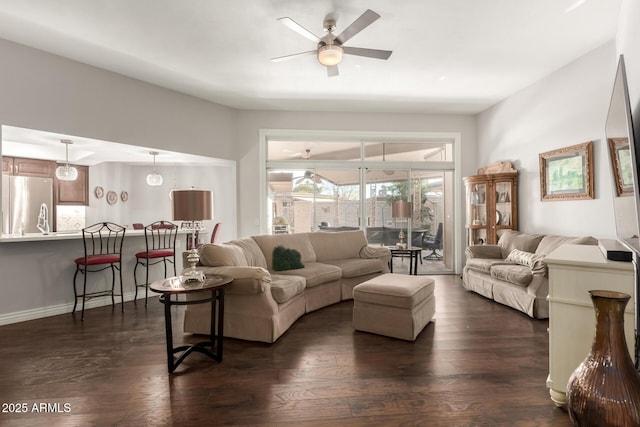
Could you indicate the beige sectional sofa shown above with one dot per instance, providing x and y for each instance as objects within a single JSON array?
[
  {"x": 260, "y": 303},
  {"x": 513, "y": 272}
]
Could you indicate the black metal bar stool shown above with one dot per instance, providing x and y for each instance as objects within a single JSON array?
[
  {"x": 102, "y": 250},
  {"x": 160, "y": 240}
]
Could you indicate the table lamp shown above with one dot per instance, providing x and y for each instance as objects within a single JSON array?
[
  {"x": 401, "y": 209},
  {"x": 192, "y": 207}
]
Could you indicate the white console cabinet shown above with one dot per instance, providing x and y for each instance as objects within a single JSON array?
[{"x": 574, "y": 270}]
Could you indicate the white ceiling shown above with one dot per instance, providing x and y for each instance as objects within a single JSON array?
[{"x": 458, "y": 56}]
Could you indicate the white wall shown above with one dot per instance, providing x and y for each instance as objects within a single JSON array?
[
  {"x": 568, "y": 107},
  {"x": 51, "y": 93},
  {"x": 627, "y": 44}
]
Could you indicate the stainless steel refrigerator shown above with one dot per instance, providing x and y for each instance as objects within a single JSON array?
[{"x": 22, "y": 199}]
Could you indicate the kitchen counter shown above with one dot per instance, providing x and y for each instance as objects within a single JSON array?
[
  {"x": 44, "y": 268},
  {"x": 63, "y": 235}
]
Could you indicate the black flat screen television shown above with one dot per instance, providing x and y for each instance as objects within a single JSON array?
[
  {"x": 624, "y": 160},
  {"x": 624, "y": 152}
]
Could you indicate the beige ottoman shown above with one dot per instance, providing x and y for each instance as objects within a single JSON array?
[{"x": 394, "y": 305}]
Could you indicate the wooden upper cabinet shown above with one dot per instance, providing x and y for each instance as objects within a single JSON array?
[
  {"x": 73, "y": 192},
  {"x": 7, "y": 165},
  {"x": 28, "y": 167}
]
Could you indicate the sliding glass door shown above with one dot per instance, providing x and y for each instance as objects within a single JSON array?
[{"x": 398, "y": 192}]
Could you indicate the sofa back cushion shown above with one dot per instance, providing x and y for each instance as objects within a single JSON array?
[
  {"x": 224, "y": 254},
  {"x": 252, "y": 252},
  {"x": 337, "y": 245},
  {"x": 549, "y": 243},
  {"x": 510, "y": 240},
  {"x": 300, "y": 242}
]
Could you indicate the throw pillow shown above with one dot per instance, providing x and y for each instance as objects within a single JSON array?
[
  {"x": 521, "y": 257},
  {"x": 286, "y": 259}
]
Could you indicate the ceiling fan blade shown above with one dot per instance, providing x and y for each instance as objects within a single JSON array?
[
  {"x": 369, "y": 53},
  {"x": 332, "y": 71},
  {"x": 295, "y": 55},
  {"x": 299, "y": 29},
  {"x": 366, "y": 19}
]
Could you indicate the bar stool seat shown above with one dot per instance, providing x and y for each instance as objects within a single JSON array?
[
  {"x": 160, "y": 241},
  {"x": 102, "y": 250}
]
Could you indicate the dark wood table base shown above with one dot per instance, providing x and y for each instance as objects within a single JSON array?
[
  {"x": 216, "y": 337},
  {"x": 214, "y": 285}
]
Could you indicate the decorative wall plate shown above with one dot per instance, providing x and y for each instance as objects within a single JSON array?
[
  {"x": 99, "y": 192},
  {"x": 124, "y": 196},
  {"x": 112, "y": 197}
]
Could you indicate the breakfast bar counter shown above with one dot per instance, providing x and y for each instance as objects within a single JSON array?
[
  {"x": 37, "y": 273},
  {"x": 62, "y": 235}
]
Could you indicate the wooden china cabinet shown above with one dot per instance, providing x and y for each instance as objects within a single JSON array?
[{"x": 491, "y": 203}]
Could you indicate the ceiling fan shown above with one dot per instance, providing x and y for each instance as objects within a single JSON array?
[
  {"x": 309, "y": 176},
  {"x": 331, "y": 47}
]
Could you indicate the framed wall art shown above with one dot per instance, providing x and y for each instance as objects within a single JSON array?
[
  {"x": 567, "y": 173},
  {"x": 621, "y": 163}
]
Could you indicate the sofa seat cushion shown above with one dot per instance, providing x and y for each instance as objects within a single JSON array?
[
  {"x": 316, "y": 273},
  {"x": 482, "y": 265},
  {"x": 355, "y": 267},
  {"x": 285, "y": 287},
  {"x": 513, "y": 273}
]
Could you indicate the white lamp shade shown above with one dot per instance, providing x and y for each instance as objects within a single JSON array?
[
  {"x": 154, "y": 179},
  {"x": 66, "y": 173},
  {"x": 330, "y": 55}
]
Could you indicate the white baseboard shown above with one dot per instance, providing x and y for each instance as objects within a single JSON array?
[{"x": 54, "y": 310}]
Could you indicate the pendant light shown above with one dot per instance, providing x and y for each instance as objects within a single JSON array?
[
  {"x": 154, "y": 179},
  {"x": 66, "y": 172}
]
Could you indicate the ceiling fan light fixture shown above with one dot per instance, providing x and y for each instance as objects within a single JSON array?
[
  {"x": 330, "y": 55},
  {"x": 154, "y": 179},
  {"x": 66, "y": 172}
]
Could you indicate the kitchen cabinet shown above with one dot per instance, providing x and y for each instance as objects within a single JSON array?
[
  {"x": 491, "y": 204},
  {"x": 73, "y": 192},
  {"x": 7, "y": 165},
  {"x": 28, "y": 167}
]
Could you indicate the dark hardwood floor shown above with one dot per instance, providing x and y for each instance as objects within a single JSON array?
[{"x": 478, "y": 364}]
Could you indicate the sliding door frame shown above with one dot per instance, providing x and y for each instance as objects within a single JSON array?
[{"x": 364, "y": 137}]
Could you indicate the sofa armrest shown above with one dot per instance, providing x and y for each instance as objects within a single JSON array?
[
  {"x": 246, "y": 280},
  {"x": 484, "y": 251},
  {"x": 375, "y": 252}
]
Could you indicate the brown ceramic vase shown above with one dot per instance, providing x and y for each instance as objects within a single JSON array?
[{"x": 605, "y": 389}]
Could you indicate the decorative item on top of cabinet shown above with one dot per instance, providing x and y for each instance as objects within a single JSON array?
[
  {"x": 73, "y": 192},
  {"x": 28, "y": 167},
  {"x": 491, "y": 203}
]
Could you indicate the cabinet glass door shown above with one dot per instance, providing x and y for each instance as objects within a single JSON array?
[
  {"x": 504, "y": 198},
  {"x": 477, "y": 214}
]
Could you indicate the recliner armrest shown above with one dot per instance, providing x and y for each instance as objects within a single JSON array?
[{"x": 484, "y": 251}]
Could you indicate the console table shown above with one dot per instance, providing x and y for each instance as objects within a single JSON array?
[
  {"x": 214, "y": 285},
  {"x": 573, "y": 271}
]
